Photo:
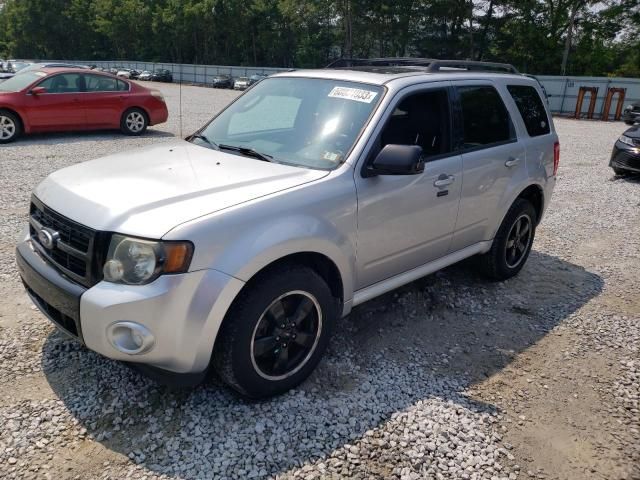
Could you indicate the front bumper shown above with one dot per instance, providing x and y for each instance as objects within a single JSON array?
[
  {"x": 625, "y": 157},
  {"x": 183, "y": 312}
]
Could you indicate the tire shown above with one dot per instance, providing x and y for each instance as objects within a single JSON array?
[
  {"x": 247, "y": 356},
  {"x": 500, "y": 263},
  {"x": 10, "y": 126},
  {"x": 134, "y": 122},
  {"x": 619, "y": 171},
  {"x": 629, "y": 122}
]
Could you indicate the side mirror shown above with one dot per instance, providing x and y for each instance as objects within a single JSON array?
[
  {"x": 38, "y": 91},
  {"x": 398, "y": 160}
]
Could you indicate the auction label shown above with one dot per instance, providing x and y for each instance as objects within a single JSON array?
[{"x": 365, "y": 96}]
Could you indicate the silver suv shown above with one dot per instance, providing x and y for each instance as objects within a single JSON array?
[{"x": 311, "y": 193}]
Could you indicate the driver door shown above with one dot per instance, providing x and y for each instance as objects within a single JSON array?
[
  {"x": 406, "y": 221},
  {"x": 60, "y": 107}
]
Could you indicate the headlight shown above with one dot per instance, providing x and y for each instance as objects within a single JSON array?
[
  {"x": 627, "y": 140},
  {"x": 133, "y": 261}
]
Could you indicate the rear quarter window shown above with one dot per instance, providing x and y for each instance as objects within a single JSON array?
[
  {"x": 531, "y": 109},
  {"x": 485, "y": 118}
]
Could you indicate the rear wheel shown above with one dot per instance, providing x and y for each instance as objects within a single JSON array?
[
  {"x": 513, "y": 242},
  {"x": 619, "y": 171},
  {"x": 10, "y": 126},
  {"x": 276, "y": 332},
  {"x": 134, "y": 122}
]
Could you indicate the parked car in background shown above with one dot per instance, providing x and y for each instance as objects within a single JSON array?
[
  {"x": 313, "y": 192},
  {"x": 256, "y": 78},
  {"x": 14, "y": 66},
  {"x": 241, "y": 83},
  {"x": 63, "y": 99},
  {"x": 631, "y": 113},
  {"x": 145, "y": 75},
  {"x": 162, "y": 75},
  {"x": 40, "y": 65},
  {"x": 222, "y": 81},
  {"x": 115, "y": 70},
  {"x": 625, "y": 157},
  {"x": 128, "y": 73}
]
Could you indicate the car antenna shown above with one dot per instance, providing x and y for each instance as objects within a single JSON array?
[{"x": 180, "y": 100}]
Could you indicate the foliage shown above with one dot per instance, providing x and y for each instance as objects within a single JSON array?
[{"x": 595, "y": 37}]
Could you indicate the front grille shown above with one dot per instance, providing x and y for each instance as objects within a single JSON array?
[
  {"x": 65, "y": 322},
  {"x": 72, "y": 252}
]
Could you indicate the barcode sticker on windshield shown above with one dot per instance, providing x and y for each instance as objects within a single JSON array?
[{"x": 365, "y": 96}]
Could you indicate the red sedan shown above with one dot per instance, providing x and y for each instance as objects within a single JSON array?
[{"x": 63, "y": 99}]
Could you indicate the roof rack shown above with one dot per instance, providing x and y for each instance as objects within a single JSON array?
[{"x": 430, "y": 65}]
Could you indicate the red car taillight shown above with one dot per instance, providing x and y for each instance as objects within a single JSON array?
[{"x": 556, "y": 157}]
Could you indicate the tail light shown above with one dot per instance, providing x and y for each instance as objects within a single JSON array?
[
  {"x": 157, "y": 94},
  {"x": 556, "y": 157}
]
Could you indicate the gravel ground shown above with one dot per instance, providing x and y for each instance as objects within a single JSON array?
[{"x": 448, "y": 377}]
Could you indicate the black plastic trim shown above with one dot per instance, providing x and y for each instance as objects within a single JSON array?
[
  {"x": 49, "y": 286},
  {"x": 168, "y": 378}
]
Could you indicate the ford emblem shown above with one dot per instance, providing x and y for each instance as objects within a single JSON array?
[{"x": 47, "y": 238}]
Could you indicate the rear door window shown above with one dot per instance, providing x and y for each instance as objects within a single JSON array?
[
  {"x": 531, "y": 108},
  {"x": 101, "y": 83},
  {"x": 485, "y": 118}
]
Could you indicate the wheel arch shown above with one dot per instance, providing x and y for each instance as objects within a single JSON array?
[
  {"x": 534, "y": 194},
  {"x": 320, "y": 263}
]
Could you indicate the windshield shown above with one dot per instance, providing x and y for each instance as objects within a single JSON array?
[
  {"x": 20, "y": 82},
  {"x": 307, "y": 122}
]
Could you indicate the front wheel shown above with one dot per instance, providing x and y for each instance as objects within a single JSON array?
[
  {"x": 513, "y": 242},
  {"x": 10, "y": 127},
  {"x": 629, "y": 122},
  {"x": 276, "y": 332},
  {"x": 134, "y": 122}
]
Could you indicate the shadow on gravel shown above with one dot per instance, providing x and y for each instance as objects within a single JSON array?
[
  {"x": 423, "y": 344},
  {"x": 629, "y": 177},
  {"x": 80, "y": 137}
]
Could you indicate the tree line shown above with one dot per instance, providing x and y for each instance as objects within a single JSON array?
[{"x": 576, "y": 37}]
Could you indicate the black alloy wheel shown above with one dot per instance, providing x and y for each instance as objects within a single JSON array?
[{"x": 286, "y": 335}]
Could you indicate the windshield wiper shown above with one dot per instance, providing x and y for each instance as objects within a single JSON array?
[
  {"x": 199, "y": 136},
  {"x": 249, "y": 152}
]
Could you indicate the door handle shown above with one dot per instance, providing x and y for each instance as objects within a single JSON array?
[
  {"x": 444, "y": 180},
  {"x": 512, "y": 162}
]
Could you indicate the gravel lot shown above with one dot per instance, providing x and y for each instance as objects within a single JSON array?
[{"x": 448, "y": 377}]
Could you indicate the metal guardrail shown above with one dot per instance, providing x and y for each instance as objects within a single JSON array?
[
  {"x": 563, "y": 92},
  {"x": 183, "y": 72}
]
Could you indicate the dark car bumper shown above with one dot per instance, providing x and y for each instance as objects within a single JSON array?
[
  {"x": 57, "y": 297},
  {"x": 625, "y": 157}
]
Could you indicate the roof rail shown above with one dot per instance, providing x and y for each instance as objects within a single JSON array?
[{"x": 430, "y": 64}]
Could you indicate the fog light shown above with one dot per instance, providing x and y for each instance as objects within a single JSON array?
[{"x": 130, "y": 337}]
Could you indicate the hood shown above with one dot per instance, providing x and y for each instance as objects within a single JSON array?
[
  {"x": 633, "y": 132},
  {"x": 149, "y": 191}
]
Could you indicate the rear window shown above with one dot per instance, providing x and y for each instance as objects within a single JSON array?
[
  {"x": 485, "y": 118},
  {"x": 531, "y": 108}
]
